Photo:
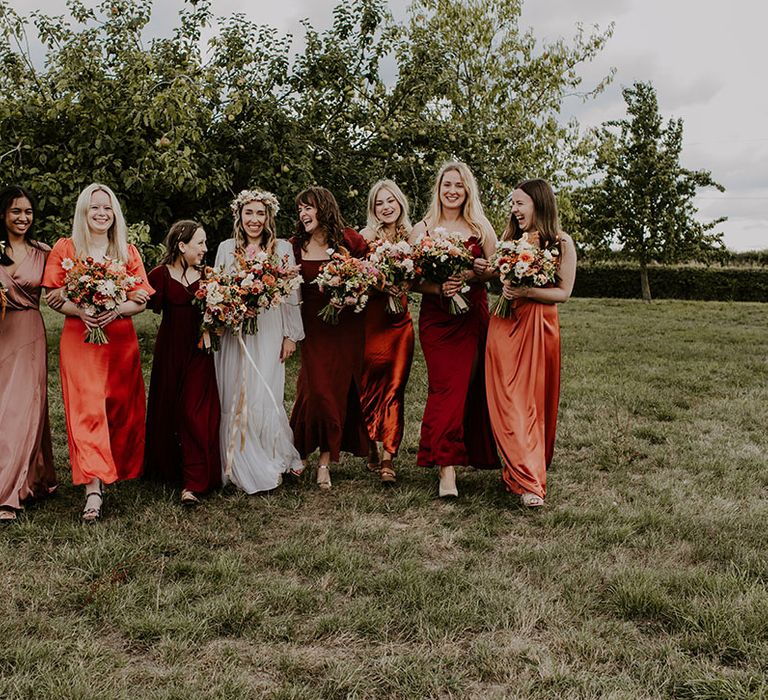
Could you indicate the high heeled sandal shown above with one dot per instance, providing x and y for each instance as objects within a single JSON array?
[
  {"x": 324, "y": 477},
  {"x": 92, "y": 513},
  {"x": 447, "y": 486},
  {"x": 387, "y": 471}
]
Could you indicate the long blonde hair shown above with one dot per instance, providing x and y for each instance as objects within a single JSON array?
[
  {"x": 117, "y": 235},
  {"x": 271, "y": 206},
  {"x": 403, "y": 224},
  {"x": 471, "y": 209}
]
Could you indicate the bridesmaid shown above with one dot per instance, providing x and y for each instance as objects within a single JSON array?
[
  {"x": 522, "y": 368},
  {"x": 388, "y": 338},
  {"x": 26, "y": 457},
  {"x": 102, "y": 385},
  {"x": 183, "y": 414},
  {"x": 456, "y": 428},
  {"x": 258, "y": 462},
  {"x": 327, "y": 415}
]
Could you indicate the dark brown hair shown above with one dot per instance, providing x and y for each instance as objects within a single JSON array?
[
  {"x": 545, "y": 219},
  {"x": 7, "y": 195},
  {"x": 180, "y": 232},
  {"x": 328, "y": 216}
]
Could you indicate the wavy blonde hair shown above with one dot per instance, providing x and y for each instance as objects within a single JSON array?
[
  {"x": 471, "y": 209},
  {"x": 117, "y": 235},
  {"x": 403, "y": 224},
  {"x": 268, "y": 236}
]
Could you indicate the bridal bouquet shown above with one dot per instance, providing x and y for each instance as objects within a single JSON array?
[
  {"x": 440, "y": 255},
  {"x": 394, "y": 261},
  {"x": 347, "y": 280},
  {"x": 264, "y": 281},
  {"x": 97, "y": 287},
  {"x": 218, "y": 296},
  {"x": 522, "y": 264}
]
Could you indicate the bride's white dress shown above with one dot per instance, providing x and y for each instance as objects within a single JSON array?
[{"x": 258, "y": 443}]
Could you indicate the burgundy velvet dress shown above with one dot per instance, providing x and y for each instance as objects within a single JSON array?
[
  {"x": 183, "y": 413},
  {"x": 456, "y": 428},
  {"x": 326, "y": 415}
]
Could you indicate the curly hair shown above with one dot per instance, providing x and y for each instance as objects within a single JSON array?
[{"x": 329, "y": 217}]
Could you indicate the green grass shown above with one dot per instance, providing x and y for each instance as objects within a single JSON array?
[{"x": 644, "y": 576}]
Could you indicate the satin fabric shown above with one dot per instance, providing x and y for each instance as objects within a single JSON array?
[
  {"x": 26, "y": 456},
  {"x": 389, "y": 342},
  {"x": 183, "y": 414},
  {"x": 327, "y": 415},
  {"x": 456, "y": 429},
  {"x": 522, "y": 373},
  {"x": 102, "y": 386}
]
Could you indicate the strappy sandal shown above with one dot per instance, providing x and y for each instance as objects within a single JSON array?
[
  {"x": 388, "y": 475},
  {"x": 531, "y": 500},
  {"x": 374, "y": 463},
  {"x": 7, "y": 515},
  {"x": 188, "y": 498},
  {"x": 92, "y": 513},
  {"x": 324, "y": 477}
]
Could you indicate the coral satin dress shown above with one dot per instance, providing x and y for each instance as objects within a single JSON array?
[
  {"x": 387, "y": 363},
  {"x": 456, "y": 429},
  {"x": 522, "y": 370},
  {"x": 326, "y": 415},
  {"x": 102, "y": 386}
]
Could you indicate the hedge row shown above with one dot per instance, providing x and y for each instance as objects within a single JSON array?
[{"x": 678, "y": 282}]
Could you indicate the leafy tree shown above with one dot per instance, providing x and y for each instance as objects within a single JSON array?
[{"x": 642, "y": 200}]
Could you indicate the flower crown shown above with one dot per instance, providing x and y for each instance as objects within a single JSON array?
[{"x": 245, "y": 196}]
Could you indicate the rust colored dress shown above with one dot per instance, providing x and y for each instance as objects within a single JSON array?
[
  {"x": 102, "y": 386},
  {"x": 522, "y": 371},
  {"x": 183, "y": 413},
  {"x": 26, "y": 457},
  {"x": 326, "y": 415},
  {"x": 386, "y": 366},
  {"x": 456, "y": 429}
]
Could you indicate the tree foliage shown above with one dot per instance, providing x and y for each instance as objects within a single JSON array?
[
  {"x": 642, "y": 201},
  {"x": 176, "y": 127}
]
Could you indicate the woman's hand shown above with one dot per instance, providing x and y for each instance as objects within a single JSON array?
[
  {"x": 140, "y": 296},
  {"x": 452, "y": 285},
  {"x": 251, "y": 313},
  {"x": 393, "y": 290},
  {"x": 480, "y": 266},
  {"x": 289, "y": 347},
  {"x": 55, "y": 299},
  {"x": 512, "y": 293}
]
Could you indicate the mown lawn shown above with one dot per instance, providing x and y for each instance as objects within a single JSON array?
[{"x": 644, "y": 576}]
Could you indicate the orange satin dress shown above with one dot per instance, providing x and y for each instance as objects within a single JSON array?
[
  {"x": 522, "y": 374},
  {"x": 102, "y": 386},
  {"x": 389, "y": 341}
]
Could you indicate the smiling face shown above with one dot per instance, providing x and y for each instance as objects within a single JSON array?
[
  {"x": 253, "y": 217},
  {"x": 101, "y": 216},
  {"x": 195, "y": 249},
  {"x": 386, "y": 208},
  {"x": 18, "y": 217},
  {"x": 523, "y": 210},
  {"x": 453, "y": 193},
  {"x": 308, "y": 217}
]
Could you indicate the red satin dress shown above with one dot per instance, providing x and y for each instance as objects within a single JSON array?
[
  {"x": 456, "y": 428},
  {"x": 326, "y": 415},
  {"x": 102, "y": 386},
  {"x": 183, "y": 413},
  {"x": 522, "y": 371},
  {"x": 389, "y": 341}
]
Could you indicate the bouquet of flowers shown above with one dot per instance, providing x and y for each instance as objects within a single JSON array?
[
  {"x": 264, "y": 281},
  {"x": 218, "y": 296},
  {"x": 520, "y": 263},
  {"x": 347, "y": 280},
  {"x": 438, "y": 257},
  {"x": 394, "y": 261},
  {"x": 97, "y": 287}
]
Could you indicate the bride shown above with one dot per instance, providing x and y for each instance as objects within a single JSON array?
[{"x": 256, "y": 440}]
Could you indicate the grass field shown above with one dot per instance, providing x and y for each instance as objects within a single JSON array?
[{"x": 643, "y": 577}]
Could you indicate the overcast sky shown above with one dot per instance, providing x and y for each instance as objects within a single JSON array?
[{"x": 705, "y": 59}]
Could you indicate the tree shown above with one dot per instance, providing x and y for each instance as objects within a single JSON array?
[{"x": 642, "y": 200}]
